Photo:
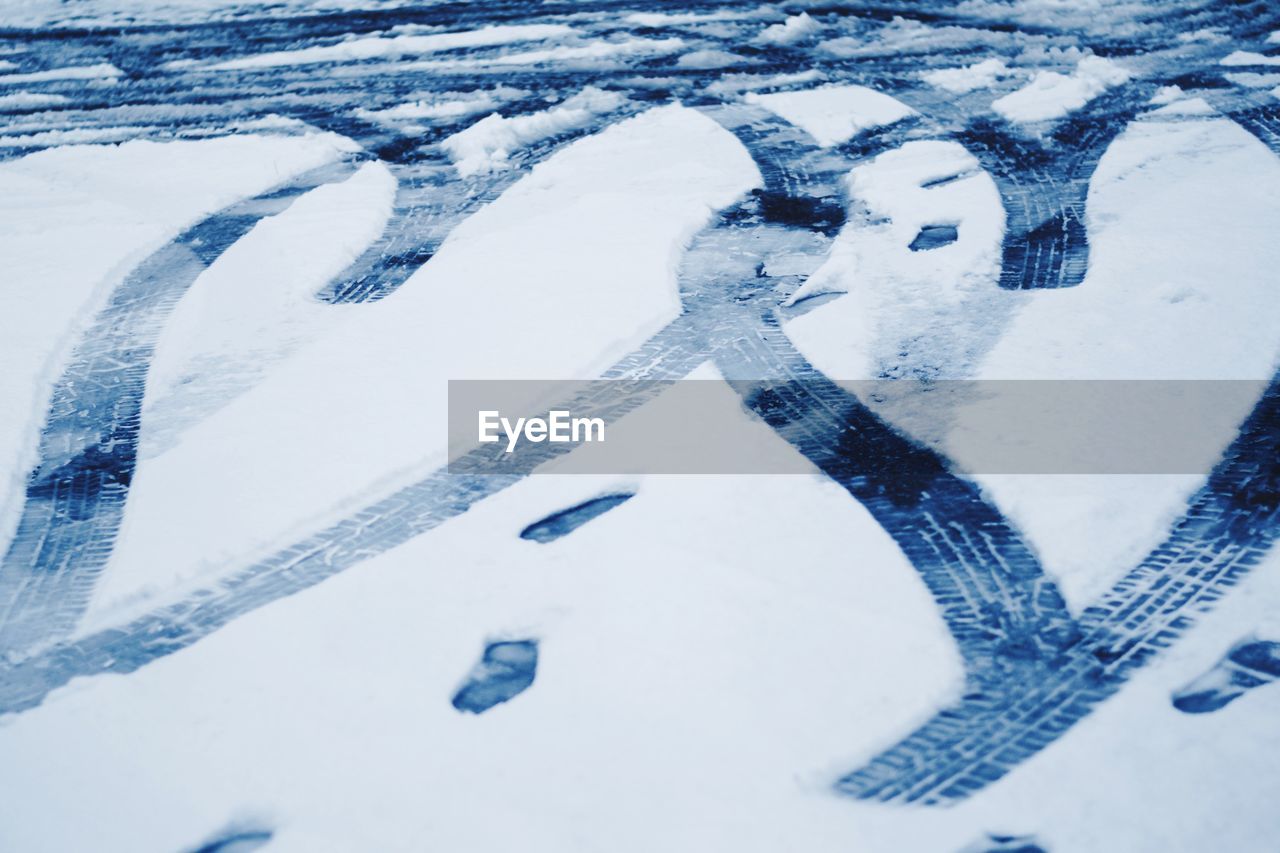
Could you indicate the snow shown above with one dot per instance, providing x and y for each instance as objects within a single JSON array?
[
  {"x": 1051, "y": 95},
  {"x": 932, "y": 304},
  {"x": 449, "y": 105},
  {"x": 1247, "y": 57},
  {"x": 668, "y": 19},
  {"x": 1189, "y": 312},
  {"x": 713, "y": 651},
  {"x": 359, "y": 49},
  {"x": 22, "y": 100},
  {"x": 591, "y": 53},
  {"x": 117, "y": 203},
  {"x": 486, "y": 145},
  {"x": 100, "y": 71},
  {"x": 710, "y": 59},
  {"x": 734, "y": 83},
  {"x": 81, "y": 136},
  {"x": 503, "y": 297},
  {"x": 114, "y": 13},
  {"x": 739, "y": 630},
  {"x": 979, "y": 75},
  {"x": 833, "y": 114},
  {"x": 793, "y": 30},
  {"x": 255, "y": 304},
  {"x": 1204, "y": 314}
]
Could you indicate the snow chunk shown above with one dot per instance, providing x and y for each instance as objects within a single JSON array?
[
  {"x": 447, "y": 105},
  {"x": 794, "y": 29},
  {"x": 103, "y": 70},
  {"x": 666, "y": 19},
  {"x": 1186, "y": 107},
  {"x": 32, "y": 99},
  {"x": 486, "y": 145},
  {"x": 834, "y": 114},
  {"x": 980, "y": 75},
  {"x": 710, "y": 59},
  {"x": 731, "y": 84},
  {"x": 1052, "y": 95},
  {"x": 594, "y": 51},
  {"x": 359, "y": 49},
  {"x": 1248, "y": 57}
]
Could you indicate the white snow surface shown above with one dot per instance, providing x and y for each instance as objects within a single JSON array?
[
  {"x": 99, "y": 71},
  {"x": 709, "y": 59},
  {"x": 1248, "y": 57},
  {"x": 586, "y": 54},
  {"x": 117, "y": 204},
  {"x": 716, "y": 650},
  {"x": 833, "y": 114},
  {"x": 32, "y": 99},
  {"x": 445, "y": 106},
  {"x": 394, "y": 47},
  {"x": 565, "y": 272},
  {"x": 1051, "y": 95},
  {"x": 979, "y": 75},
  {"x": 486, "y": 145},
  {"x": 1189, "y": 311},
  {"x": 255, "y": 304},
  {"x": 793, "y": 30}
]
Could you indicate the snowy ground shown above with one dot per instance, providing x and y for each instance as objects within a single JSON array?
[{"x": 243, "y": 605}]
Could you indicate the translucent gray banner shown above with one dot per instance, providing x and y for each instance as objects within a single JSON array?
[{"x": 768, "y": 427}]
